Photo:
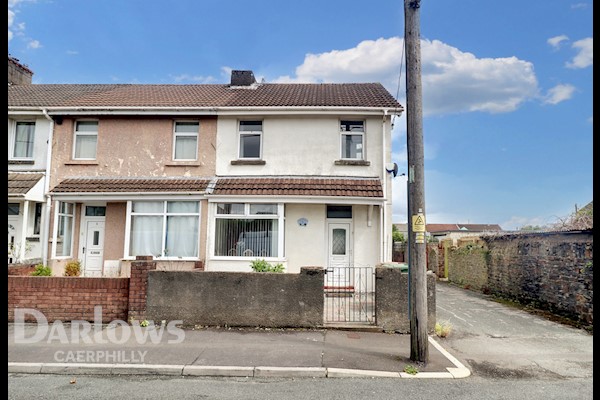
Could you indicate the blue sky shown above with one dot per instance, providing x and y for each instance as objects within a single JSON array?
[{"x": 507, "y": 85}]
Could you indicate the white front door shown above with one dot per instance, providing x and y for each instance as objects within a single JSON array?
[
  {"x": 93, "y": 250},
  {"x": 339, "y": 255}
]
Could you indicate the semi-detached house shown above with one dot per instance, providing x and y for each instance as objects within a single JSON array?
[{"x": 217, "y": 174}]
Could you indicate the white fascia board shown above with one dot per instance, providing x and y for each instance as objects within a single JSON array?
[
  {"x": 296, "y": 199},
  {"x": 33, "y": 111},
  {"x": 79, "y": 197}
]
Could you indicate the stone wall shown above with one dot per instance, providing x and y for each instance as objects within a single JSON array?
[{"x": 552, "y": 271}]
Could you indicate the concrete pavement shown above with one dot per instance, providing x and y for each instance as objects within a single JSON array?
[{"x": 243, "y": 352}]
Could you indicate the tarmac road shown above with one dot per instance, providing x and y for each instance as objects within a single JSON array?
[{"x": 498, "y": 341}]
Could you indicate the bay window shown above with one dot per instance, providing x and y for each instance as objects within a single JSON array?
[
  {"x": 64, "y": 230},
  {"x": 248, "y": 230},
  {"x": 164, "y": 229}
]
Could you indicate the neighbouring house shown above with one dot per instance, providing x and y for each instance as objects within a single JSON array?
[
  {"x": 217, "y": 174},
  {"x": 454, "y": 232},
  {"x": 28, "y": 133}
]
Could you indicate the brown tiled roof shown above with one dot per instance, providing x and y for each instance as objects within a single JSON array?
[
  {"x": 208, "y": 95},
  {"x": 131, "y": 185},
  {"x": 254, "y": 186},
  {"x": 441, "y": 227},
  {"x": 21, "y": 183}
]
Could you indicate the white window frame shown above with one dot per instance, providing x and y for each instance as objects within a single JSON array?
[
  {"x": 177, "y": 135},
  {"x": 13, "y": 147},
  {"x": 57, "y": 216},
  {"x": 77, "y": 134},
  {"x": 247, "y": 215},
  {"x": 164, "y": 214},
  {"x": 250, "y": 133},
  {"x": 343, "y": 134}
]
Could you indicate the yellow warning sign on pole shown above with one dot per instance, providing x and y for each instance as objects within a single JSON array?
[{"x": 418, "y": 223}]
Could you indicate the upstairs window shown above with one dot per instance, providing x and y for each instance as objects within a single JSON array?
[
  {"x": 185, "y": 146},
  {"x": 352, "y": 139},
  {"x": 250, "y": 139},
  {"x": 23, "y": 146},
  {"x": 86, "y": 140}
]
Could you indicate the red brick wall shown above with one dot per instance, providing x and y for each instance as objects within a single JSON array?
[
  {"x": 138, "y": 283},
  {"x": 21, "y": 269},
  {"x": 69, "y": 298}
]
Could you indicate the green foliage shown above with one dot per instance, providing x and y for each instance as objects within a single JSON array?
[
  {"x": 42, "y": 270},
  {"x": 264, "y": 266},
  {"x": 409, "y": 369},
  {"x": 397, "y": 236},
  {"x": 442, "y": 329},
  {"x": 72, "y": 268}
]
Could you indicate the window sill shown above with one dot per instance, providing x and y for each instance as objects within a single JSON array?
[
  {"x": 183, "y": 164},
  {"x": 248, "y": 162},
  {"x": 21, "y": 162},
  {"x": 362, "y": 163},
  {"x": 82, "y": 162}
]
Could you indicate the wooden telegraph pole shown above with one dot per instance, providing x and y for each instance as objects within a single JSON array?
[{"x": 417, "y": 253}]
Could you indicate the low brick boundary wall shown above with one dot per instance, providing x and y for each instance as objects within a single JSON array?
[
  {"x": 391, "y": 300},
  {"x": 21, "y": 269},
  {"x": 237, "y": 298},
  {"x": 68, "y": 298}
]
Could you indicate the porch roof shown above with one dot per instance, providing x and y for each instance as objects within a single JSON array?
[
  {"x": 20, "y": 183},
  {"x": 132, "y": 185},
  {"x": 299, "y": 186}
]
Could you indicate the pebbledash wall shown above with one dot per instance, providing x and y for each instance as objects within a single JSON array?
[{"x": 553, "y": 271}]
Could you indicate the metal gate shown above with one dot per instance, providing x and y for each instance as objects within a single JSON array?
[{"x": 349, "y": 295}]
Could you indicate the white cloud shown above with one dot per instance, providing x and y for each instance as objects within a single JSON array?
[
  {"x": 585, "y": 56},
  {"x": 72, "y": 52},
  {"x": 18, "y": 28},
  {"x": 579, "y": 5},
  {"x": 559, "y": 93},
  {"x": 557, "y": 40},
  {"x": 193, "y": 78},
  {"x": 34, "y": 44},
  {"x": 453, "y": 81}
]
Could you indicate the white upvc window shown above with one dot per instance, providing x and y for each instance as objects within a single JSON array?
[
  {"x": 86, "y": 140},
  {"x": 164, "y": 229},
  {"x": 352, "y": 136},
  {"x": 63, "y": 232},
  {"x": 248, "y": 230},
  {"x": 23, "y": 140},
  {"x": 250, "y": 140},
  {"x": 185, "y": 140}
]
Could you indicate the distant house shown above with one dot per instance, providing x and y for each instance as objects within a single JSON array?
[
  {"x": 441, "y": 232},
  {"x": 454, "y": 232}
]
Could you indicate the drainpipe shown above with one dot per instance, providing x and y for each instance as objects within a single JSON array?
[
  {"x": 46, "y": 214},
  {"x": 384, "y": 174}
]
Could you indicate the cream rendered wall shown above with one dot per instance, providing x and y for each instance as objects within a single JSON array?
[
  {"x": 366, "y": 244},
  {"x": 305, "y": 245},
  {"x": 298, "y": 145}
]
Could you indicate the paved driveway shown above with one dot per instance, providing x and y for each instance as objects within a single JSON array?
[{"x": 496, "y": 340}]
